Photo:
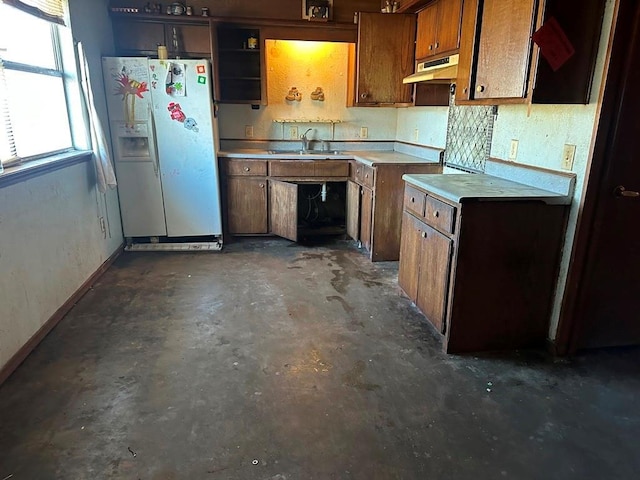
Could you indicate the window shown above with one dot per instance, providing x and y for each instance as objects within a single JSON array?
[{"x": 34, "y": 103}]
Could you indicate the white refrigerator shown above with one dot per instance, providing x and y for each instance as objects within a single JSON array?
[{"x": 165, "y": 141}]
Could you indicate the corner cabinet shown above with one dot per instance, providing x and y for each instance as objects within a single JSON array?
[
  {"x": 499, "y": 63},
  {"x": 374, "y": 205},
  {"x": 240, "y": 65},
  {"x": 481, "y": 270},
  {"x": 385, "y": 55}
]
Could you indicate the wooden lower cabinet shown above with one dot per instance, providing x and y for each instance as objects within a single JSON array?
[
  {"x": 247, "y": 205},
  {"x": 425, "y": 256},
  {"x": 482, "y": 272},
  {"x": 374, "y": 212}
]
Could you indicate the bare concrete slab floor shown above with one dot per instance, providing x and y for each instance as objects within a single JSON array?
[{"x": 278, "y": 361}]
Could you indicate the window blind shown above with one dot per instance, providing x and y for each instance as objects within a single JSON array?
[
  {"x": 8, "y": 150},
  {"x": 51, "y": 10}
]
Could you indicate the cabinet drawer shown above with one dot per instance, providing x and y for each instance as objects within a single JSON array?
[
  {"x": 247, "y": 167},
  {"x": 291, "y": 168},
  {"x": 364, "y": 175},
  {"x": 308, "y": 168},
  {"x": 414, "y": 200},
  {"x": 439, "y": 214}
]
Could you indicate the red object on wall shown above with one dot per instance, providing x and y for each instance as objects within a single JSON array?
[{"x": 554, "y": 45}]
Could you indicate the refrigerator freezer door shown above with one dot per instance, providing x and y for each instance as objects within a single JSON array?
[
  {"x": 129, "y": 105},
  {"x": 183, "y": 115}
]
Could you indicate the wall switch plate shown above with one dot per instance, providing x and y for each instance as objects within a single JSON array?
[
  {"x": 513, "y": 150},
  {"x": 293, "y": 132},
  {"x": 364, "y": 132},
  {"x": 568, "y": 155},
  {"x": 248, "y": 131}
]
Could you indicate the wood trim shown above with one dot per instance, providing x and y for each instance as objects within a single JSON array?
[
  {"x": 22, "y": 354},
  {"x": 609, "y": 99}
]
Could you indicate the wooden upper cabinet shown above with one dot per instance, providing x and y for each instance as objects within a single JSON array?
[
  {"x": 141, "y": 37},
  {"x": 133, "y": 37},
  {"x": 499, "y": 63},
  {"x": 504, "y": 51},
  {"x": 426, "y": 32},
  {"x": 449, "y": 16},
  {"x": 385, "y": 56},
  {"x": 438, "y": 31}
]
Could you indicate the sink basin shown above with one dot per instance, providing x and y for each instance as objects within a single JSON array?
[{"x": 302, "y": 152}]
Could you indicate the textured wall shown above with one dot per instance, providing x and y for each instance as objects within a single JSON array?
[
  {"x": 307, "y": 65},
  {"x": 50, "y": 240}
]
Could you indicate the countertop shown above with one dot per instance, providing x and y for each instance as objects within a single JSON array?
[
  {"x": 371, "y": 158},
  {"x": 459, "y": 188}
]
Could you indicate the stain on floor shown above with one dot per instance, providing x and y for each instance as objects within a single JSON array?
[{"x": 273, "y": 360}]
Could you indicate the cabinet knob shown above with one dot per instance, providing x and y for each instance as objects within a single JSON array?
[
  {"x": 413, "y": 200},
  {"x": 436, "y": 214},
  {"x": 437, "y": 44},
  {"x": 480, "y": 88},
  {"x": 424, "y": 234},
  {"x": 262, "y": 185},
  {"x": 366, "y": 175},
  {"x": 465, "y": 89},
  {"x": 247, "y": 169},
  {"x": 430, "y": 47},
  {"x": 364, "y": 95}
]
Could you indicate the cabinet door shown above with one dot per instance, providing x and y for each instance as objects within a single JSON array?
[
  {"x": 366, "y": 217},
  {"x": 449, "y": 16},
  {"x": 247, "y": 205},
  {"x": 433, "y": 282},
  {"x": 504, "y": 51},
  {"x": 193, "y": 41},
  {"x": 283, "y": 210},
  {"x": 353, "y": 210},
  {"x": 134, "y": 37},
  {"x": 426, "y": 31},
  {"x": 385, "y": 56},
  {"x": 410, "y": 245}
]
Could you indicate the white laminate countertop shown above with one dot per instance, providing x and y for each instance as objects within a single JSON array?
[
  {"x": 458, "y": 188},
  {"x": 371, "y": 158}
]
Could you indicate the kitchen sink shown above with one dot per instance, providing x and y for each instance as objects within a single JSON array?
[{"x": 302, "y": 152}]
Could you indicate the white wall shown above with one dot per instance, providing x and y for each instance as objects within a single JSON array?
[
  {"x": 307, "y": 65},
  {"x": 50, "y": 239}
]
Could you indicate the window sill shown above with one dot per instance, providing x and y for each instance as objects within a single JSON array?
[{"x": 34, "y": 168}]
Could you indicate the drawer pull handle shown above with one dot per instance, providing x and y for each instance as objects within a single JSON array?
[
  {"x": 620, "y": 191},
  {"x": 436, "y": 214},
  {"x": 424, "y": 234},
  {"x": 247, "y": 169}
]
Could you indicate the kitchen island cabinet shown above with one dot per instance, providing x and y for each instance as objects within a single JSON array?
[{"x": 480, "y": 257}]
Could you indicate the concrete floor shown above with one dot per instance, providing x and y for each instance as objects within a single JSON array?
[{"x": 273, "y": 360}]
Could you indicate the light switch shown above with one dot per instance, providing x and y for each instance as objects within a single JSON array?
[{"x": 364, "y": 132}]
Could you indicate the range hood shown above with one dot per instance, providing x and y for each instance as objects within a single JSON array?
[{"x": 441, "y": 70}]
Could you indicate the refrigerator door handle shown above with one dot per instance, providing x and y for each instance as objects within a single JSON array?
[{"x": 156, "y": 163}]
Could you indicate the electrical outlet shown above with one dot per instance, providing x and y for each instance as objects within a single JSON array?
[
  {"x": 416, "y": 134},
  {"x": 248, "y": 131},
  {"x": 364, "y": 132},
  {"x": 513, "y": 150},
  {"x": 568, "y": 155},
  {"x": 103, "y": 226},
  {"x": 293, "y": 132}
]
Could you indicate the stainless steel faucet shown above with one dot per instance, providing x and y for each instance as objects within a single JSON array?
[{"x": 305, "y": 140}]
